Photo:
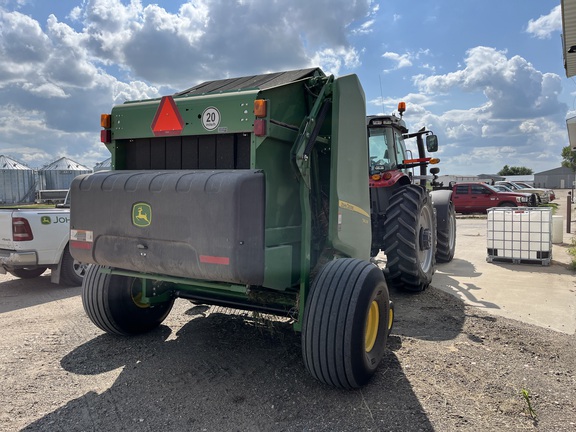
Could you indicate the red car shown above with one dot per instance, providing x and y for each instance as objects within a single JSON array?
[{"x": 478, "y": 197}]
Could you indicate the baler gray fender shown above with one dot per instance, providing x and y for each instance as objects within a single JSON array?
[{"x": 440, "y": 201}]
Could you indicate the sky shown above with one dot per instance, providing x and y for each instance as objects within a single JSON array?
[{"x": 486, "y": 77}]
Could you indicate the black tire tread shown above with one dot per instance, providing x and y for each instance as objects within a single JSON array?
[
  {"x": 67, "y": 274},
  {"x": 28, "y": 273},
  {"x": 444, "y": 252},
  {"x": 328, "y": 323},
  {"x": 401, "y": 239}
]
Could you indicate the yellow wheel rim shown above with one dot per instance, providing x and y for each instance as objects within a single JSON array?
[
  {"x": 372, "y": 322},
  {"x": 390, "y": 318}
]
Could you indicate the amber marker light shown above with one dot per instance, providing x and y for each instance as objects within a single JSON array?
[
  {"x": 376, "y": 177},
  {"x": 434, "y": 161},
  {"x": 260, "y": 106},
  {"x": 105, "y": 120}
]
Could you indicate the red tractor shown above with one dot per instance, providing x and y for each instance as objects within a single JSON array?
[{"x": 413, "y": 221}]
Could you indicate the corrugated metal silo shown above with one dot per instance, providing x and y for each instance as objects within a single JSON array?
[
  {"x": 104, "y": 165},
  {"x": 60, "y": 173},
  {"x": 17, "y": 184}
]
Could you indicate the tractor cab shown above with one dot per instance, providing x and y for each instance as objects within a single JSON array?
[{"x": 385, "y": 142}]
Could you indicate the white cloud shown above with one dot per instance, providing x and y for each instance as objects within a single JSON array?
[
  {"x": 62, "y": 73},
  {"x": 405, "y": 60},
  {"x": 543, "y": 27}
]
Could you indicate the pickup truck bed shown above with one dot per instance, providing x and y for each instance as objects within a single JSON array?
[{"x": 33, "y": 240}]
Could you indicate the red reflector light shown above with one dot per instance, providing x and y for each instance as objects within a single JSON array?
[
  {"x": 21, "y": 230},
  {"x": 260, "y": 127},
  {"x": 106, "y": 136}
]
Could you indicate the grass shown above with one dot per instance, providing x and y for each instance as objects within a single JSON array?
[
  {"x": 526, "y": 395},
  {"x": 572, "y": 253}
]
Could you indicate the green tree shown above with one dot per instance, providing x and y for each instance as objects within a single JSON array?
[
  {"x": 569, "y": 158},
  {"x": 508, "y": 171}
]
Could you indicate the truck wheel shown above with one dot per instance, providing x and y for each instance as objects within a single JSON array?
[
  {"x": 507, "y": 204},
  {"x": 345, "y": 324},
  {"x": 28, "y": 273},
  {"x": 72, "y": 272},
  {"x": 112, "y": 303},
  {"x": 446, "y": 245},
  {"x": 410, "y": 239}
]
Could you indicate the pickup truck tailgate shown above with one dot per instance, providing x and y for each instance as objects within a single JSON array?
[{"x": 6, "y": 230}]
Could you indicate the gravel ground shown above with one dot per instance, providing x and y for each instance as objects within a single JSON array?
[{"x": 449, "y": 367}]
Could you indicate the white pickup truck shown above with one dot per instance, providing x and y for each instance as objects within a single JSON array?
[{"x": 34, "y": 240}]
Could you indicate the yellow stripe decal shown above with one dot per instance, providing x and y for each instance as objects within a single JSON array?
[{"x": 352, "y": 207}]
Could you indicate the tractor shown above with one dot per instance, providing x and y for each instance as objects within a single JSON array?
[{"x": 413, "y": 219}]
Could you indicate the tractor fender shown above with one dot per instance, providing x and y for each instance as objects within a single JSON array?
[{"x": 440, "y": 201}]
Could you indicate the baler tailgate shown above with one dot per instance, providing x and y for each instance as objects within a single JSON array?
[{"x": 195, "y": 224}]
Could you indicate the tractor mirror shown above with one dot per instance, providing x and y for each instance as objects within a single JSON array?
[
  {"x": 432, "y": 143},
  {"x": 434, "y": 170}
]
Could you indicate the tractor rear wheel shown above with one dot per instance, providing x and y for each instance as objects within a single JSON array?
[
  {"x": 112, "y": 302},
  {"x": 410, "y": 239},
  {"x": 345, "y": 324},
  {"x": 446, "y": 245}
]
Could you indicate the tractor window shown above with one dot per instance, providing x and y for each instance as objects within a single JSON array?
[
  {"x": 400, "y": 147},
  {"x": 381, "y": 148}
]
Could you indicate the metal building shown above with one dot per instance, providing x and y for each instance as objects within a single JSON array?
[
  {"x": 60, "y": 173},
  {"x": 105, "y": 165},
  {"x": 559, "y": 178},
  {"x": 17, "y": 182}
]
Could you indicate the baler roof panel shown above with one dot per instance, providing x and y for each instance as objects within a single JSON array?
[{"x": 261, "y": 82}]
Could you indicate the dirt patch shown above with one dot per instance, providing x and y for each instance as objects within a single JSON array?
[{"x": 449, "y": 367}]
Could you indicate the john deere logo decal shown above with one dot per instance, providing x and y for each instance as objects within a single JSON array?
[
  {"x": 45, "y": 220},
  {"x": 141, "y": 214}
]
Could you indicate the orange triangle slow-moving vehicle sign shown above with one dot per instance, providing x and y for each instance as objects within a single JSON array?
[{"x": 167, "y": 120}]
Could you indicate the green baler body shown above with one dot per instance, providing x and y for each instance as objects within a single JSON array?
[{"x": 316, "y": 193}]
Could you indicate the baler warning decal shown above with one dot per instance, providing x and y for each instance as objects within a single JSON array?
[
  {"x": 167, "y": 121},
  {"x": 141, "y": 214},
  {"x": 352, "y": 207}
]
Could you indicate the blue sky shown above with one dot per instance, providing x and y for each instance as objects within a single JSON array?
[{"x": 487, "y": 77}]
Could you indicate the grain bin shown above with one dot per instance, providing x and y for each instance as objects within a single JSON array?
[
  {"x": 60, "y": 173},
  {"x": 17, "y": 183}
]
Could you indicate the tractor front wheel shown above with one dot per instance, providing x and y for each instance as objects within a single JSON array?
[
  {"x": 346, "y": 322},
  {"x": 447, "y": 238},
  {"x": 113, "y": 303},
  {"x": 410, "y": 239}
]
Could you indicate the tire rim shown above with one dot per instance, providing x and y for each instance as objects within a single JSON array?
[
  {"x": 426, "y": 228},
  {"x": 79, "y": 268},
  {"x": 136, "y": 294},
  {"x": 390, "y": 318},
  {"x": 451, "y": 231},
  {"x": 372, "y": 323}
]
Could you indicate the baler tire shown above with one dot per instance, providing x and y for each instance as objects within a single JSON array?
[
  {"x": 410, "y": 217},
  {"x": 109, "y": 302},
  {"x": 28, "y": 273},
  {"x": 72, "y": 272},
  {"x": 446, "y": 245},
  {"x": 391, "y": 318},
  {"x": 344, "y": 328}
]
